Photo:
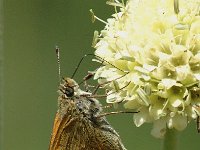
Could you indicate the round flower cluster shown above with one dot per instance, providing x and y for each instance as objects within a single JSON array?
[{"x": 153, "y": 50}]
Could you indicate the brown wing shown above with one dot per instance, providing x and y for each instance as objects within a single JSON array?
[
  {"x": 78, "y": 133},
  {"x": 71, "y": 134},
  {"x": 56, "y": 125},
  {"x": 105, "y": 138},
  {"x": 59, "y": 124}
]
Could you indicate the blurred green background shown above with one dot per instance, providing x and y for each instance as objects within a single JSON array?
[{"x": 32, "y": 28}]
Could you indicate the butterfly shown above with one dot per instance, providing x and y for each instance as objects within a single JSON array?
[{"x": 78, "y": 124}]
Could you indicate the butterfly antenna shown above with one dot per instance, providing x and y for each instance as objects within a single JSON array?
[
  {"x": 76, "y": 69},
  {"x": 58, "y": 61},
  {"x": 103, "y": 60}
]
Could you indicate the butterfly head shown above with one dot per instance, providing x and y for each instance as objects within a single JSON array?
[{"x": 68, "y": 87}]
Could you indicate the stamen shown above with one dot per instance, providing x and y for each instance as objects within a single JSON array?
[
  {"x": 176, "y": 6},
  {"x": 95, "y": 17}
]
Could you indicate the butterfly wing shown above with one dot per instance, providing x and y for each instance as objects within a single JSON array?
[
  {"x": 59, "y": 124},
  {"x": 80, "y": 134},
  {"x": 71, "y": 134}
]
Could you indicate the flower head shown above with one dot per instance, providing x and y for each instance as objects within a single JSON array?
[{"x": 157, "y": 45}]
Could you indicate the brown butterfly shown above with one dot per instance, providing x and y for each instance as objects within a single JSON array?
[{"x": 80, "y": 123}]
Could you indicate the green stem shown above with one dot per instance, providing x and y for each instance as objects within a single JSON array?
[
  {"x": 1, "y": 75},
  {"x": 170, "y": 140}
]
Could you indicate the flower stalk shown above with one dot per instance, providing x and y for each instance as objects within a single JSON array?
[
  {"x": 170, "y": 141},
  {"x": 1, "y": 76}
]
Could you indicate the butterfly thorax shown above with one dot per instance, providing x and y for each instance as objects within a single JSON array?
[{"x": 76, "y": 102}]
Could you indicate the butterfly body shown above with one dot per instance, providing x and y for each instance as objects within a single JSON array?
[{"x": 77, "y": 125}]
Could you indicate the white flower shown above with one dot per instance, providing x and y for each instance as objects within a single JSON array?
[{"x": 159, "y": 46}]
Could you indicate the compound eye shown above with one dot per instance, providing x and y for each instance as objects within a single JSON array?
[{"x": 69, "y": 91}]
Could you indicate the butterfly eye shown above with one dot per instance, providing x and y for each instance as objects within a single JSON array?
[{"x": 69, "y": 91}]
